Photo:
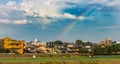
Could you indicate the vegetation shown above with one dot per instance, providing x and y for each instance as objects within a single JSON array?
[
  {"x": 57, "y": 42},
  {"x": 62, "y": 60},
  {"x": 79, "y": 42},
  {"x": 82, "y": 50},
  {"x": 88, "y": 43},
  {"x": 105, "y": 50}
]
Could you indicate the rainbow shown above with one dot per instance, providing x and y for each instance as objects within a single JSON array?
[
  {"x": 67, "y": 29},
  {"x": 75, "y": 22}
]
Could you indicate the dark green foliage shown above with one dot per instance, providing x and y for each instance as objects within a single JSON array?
[
  {"x": 57, "y": 42},
  {"x": 88, "y": 43},
  {"x": 106, "y": 50},
  {"x": 82, "y": 50},
  {"x": 2, "y": 50},
  {"x": 79, "y": 42}
]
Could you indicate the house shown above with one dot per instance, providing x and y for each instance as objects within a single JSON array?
[
  {"x": 38, "y": 43},
  {"x": 43, "y": 49},
  {"x": 71, "y": 48}
]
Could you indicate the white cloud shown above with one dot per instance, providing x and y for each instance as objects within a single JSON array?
[
  {"x": 47, "y": 8},
  {"x": 11, "y": 4},
  {"x": 16, "y": 13},
  {"x": 12, "y": 14},
  {"x": 81, "y": 17},
  {"x": 24, "y": 21},
  {"x": 67, "y": 15},
  {"x": 4, "y": 21}
]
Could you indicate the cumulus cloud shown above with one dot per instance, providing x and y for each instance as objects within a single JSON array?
[
  {"x": 4, "y": 21},
  {"x": 47, "y": 9},
  {"x": 12, "y": 14},
  {"x": 17, "y": 13},
  {"x": 67, "y": 15},
  {"x": 24, "y": 21},
  {"x": 11, "y": 4},
  {"x": 20, "y": 21}
]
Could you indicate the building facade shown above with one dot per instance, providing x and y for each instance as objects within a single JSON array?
[{"x": 106, "y": 42}]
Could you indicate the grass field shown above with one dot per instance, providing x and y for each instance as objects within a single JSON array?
[
  {"x": 59, "y": 59},
  {"x": 110, "y": 59}
]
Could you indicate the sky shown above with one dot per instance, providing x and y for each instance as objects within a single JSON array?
[{"x": 65, "y": 20}]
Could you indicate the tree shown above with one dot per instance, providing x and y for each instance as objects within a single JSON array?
[
  {"x": 57, "y": 45},
  {"x": 116, "y": 48},
  {"x": 109, "y": 50},
  {"x": 99, "y": 50},
  {"x": 82, "y": 50},
  {"x": 79, "y": 42},
  {"x": 57, "y": 42},
  {"x": 102, "y": 49},
  {"x": 88, "y": 43},
  {"x": 118, "y": 45}
]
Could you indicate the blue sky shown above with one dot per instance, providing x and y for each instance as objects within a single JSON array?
[{"x": 49, "y": 20}]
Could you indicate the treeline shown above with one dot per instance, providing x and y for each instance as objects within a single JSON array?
[{"x": 106, "y": 50}]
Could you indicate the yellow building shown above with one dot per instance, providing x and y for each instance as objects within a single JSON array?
[
  {"x": 105, "y": 42},
  {"x": 15, "y": 46}
]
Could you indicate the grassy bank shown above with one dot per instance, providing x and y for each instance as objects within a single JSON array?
[{"x": 60, "y": 59}]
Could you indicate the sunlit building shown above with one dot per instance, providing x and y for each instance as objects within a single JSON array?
[
  {"x": 106, "y": 42},
  {"x": 12, "y": 46}
]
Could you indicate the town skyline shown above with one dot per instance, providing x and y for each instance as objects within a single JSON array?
[
  {"x": 38, "y": 40},
  {"x": 50, "y": 20}
]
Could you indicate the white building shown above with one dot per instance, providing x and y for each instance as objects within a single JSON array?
[
  {"x": 38, "y": 43},
  {"x": 117, "y": 42}
]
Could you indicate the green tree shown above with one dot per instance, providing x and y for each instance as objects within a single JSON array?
[
  {"x": 82, "y": 50},
  {"x": 99, "y": 50},
  {"x": 109, "y": 49},
  {"x": 57, "y": 45},
  {"x": 116, "y": 48},
  {"x": 79, "y": 42},
  {"x": 88, "y": 43},
  {"x": 118, "y": 45},
  {"x": 57, "y": 42}
]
